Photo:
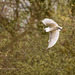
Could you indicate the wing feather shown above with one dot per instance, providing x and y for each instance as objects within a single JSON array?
[
  {"x": 53, "y": 37},
  {"x": 49, "y": 22}
]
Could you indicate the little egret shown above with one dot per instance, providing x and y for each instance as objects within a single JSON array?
[{"x": 54, "y": 29}]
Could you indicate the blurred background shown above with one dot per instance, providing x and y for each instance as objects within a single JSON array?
[{"x": 23, "y": 41}]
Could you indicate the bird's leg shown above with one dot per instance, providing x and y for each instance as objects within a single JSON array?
[{"x": 48, "y": 29}]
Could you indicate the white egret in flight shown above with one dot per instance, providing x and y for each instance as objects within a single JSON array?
[{"x": 54, "y": 29}]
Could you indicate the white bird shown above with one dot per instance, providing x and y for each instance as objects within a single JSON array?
[{"x": 54, "y": 29}]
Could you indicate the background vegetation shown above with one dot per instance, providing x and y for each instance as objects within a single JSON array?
[{"x": 23, "y": 40}]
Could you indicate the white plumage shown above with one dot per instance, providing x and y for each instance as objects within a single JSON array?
[{"x": 54, "y": 29}]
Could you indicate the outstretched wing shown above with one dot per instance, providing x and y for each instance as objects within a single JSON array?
[
  {"x": 53, "y": 37},
  {"x": 49, "y": 22}
]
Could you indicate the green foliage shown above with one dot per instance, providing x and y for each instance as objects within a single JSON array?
[
  {"x": 73, "y": 7},
  {"x": 25, "y": 53}
]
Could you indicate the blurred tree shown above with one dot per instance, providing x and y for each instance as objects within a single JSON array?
[
  {"x": 72, "y": 3},
  {"x": 23, "y": 40}
]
